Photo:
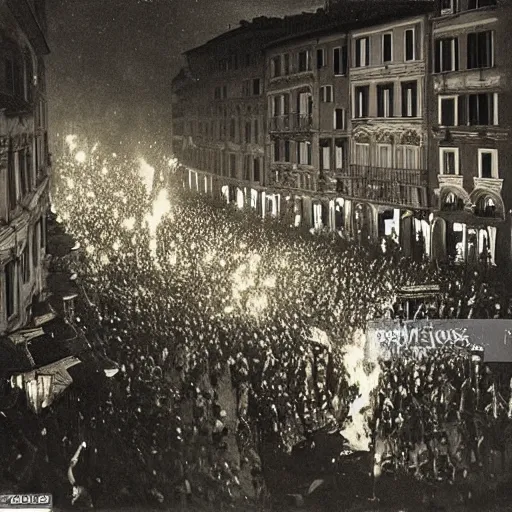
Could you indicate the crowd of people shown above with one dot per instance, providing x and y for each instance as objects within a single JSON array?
[{"x": 211, "y": 313}]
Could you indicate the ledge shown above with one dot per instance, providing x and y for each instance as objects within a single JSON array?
[
  {"x": 450, "y": 180},
  {"x": 491, "y": 184}
]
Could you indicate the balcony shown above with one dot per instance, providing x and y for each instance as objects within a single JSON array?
[
  {"x": 405, "y": 187},
  {"x": 293, "y": 122}
]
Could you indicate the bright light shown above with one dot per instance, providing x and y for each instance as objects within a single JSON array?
[
  {"x": 81, "y": 157},
  {"x": 147, "y": 175},
  {"x": 71, "y": 142}
]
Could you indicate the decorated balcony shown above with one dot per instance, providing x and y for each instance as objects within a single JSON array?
[
  {"x": 293, "y": 122},
  {"x": 403, "y": 187}
]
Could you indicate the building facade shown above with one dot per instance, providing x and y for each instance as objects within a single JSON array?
[
  {"x": 471, "y": 123},
  {"x": 387, "y": 179},
  {"x": 395, "y": 125},
  {"x": 307, "y": 141},
  {"x": 24, "y": 161}
]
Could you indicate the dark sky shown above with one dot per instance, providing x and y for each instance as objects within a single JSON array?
[{"x": 113, "y": 61}]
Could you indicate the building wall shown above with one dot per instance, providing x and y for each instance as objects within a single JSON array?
[
  {"x": 378, "y": 173},
  {"x": 24, "y": 166},
  {"x": 471, "y": 115}
]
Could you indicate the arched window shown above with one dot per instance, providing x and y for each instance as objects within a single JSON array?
[
  {"x": 12, "y": 62},
  {"x": 452, "y": 202},
  {"x": 486, "y": 207}
]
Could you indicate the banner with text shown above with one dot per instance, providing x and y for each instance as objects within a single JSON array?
[{"x": 389, "y": 338}]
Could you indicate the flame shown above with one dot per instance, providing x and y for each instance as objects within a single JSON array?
[
  {"x": 161, "y": 208},
  {"x": 356, "y": 430},
  {"x": 71, "y": 142},
  {"x": 81, "y": 157},
  {"x": 147, "y": 175}
]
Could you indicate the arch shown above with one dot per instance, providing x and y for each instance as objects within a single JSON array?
[
  {"x": 364, "y": 215},
  {"x": 487, "y": 204},
  {"x": 453, "y": 198}
]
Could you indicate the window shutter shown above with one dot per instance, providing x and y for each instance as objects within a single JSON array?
[
  {"x": 358, "y": 53},
  {"x": 367, "y": 52},
  {"x": 456, "y": 56},
  {"x": 437, "y": 63},
  {"x": 414, "y": 94},
  {"x": 336, "y": 61},
  {"x": 344, "y": 59},
  {"x": 391, "y": 101}
]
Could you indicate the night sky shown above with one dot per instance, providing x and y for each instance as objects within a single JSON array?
[{"x": 112, "y": 61}]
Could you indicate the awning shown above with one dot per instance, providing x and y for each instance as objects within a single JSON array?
[
  {"x": 59, "y": 340},
  {"x": 44, "y": 385}
]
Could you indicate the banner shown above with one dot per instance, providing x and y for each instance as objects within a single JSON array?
[{"x": 389, "y": 338}]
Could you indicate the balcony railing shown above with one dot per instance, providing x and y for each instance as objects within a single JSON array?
[
  {"x": 293, "y": 122},
  {"x": 407, "y": 187}
]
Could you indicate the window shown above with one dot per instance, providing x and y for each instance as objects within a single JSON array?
[
  {"x": 304, "y": 61},
  {"x": 339, "y": 119},
  {"x": 248, "y": 126},
  {"x": 362, "y": 95},
  {"x": 232, "y": 129},
  {"x": 277, "y": 151},
  {"x": 12, "y": 177},
  {"x": 387, "y": 47},
  {"x": 286, "y": 150},
  {"x": 286, "y": 64},
  {"x": 256, "y": 169},
  {"x": 362, "y": 52},
  {"x": 447, "y": 55},
  {"x": 449, "y": 160},
  {"x": 339, "y": 154},
  {"x": 340, "y": 60},
  {"x": 10, "y": 288},
  {"x": 409, "y": 99},
  {"x": 225, "y": 91},
  {"x": 480, "y": 50},
  {"x": 326, "y": 94},
  {"x": 304, "y": 153},
  {"x": 362, "y": 154},
  {"x": 275, "y": 66},
  {"x": 325, "y": 155},
  {"x": 447, "y": 6},
  {"x": 25, "y": 265},
  {"x": 477, "y": 4},
  {"x": 232, "y": 165},
  {"x": 488, "y": 163},
  {"x": 408, "y": 157},
  {"x": 410, "y": 44},
  {"x": 320, "y": 58},
  {"x": 385, "y": 98},
  {"x": 448, "y": 115},
  {"x": 384, "y": 155},
  {"x": 256, "y": 87},
  {"x": 217, "y": 93},
  {"x": 256, "y": 131},
  {"x": 482, "y": 109}
]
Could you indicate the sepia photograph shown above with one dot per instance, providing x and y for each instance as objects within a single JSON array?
[{"x": 255, "y": 255}]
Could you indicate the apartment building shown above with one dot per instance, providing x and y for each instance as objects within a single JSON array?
[
  {"x": 471, "y": 122},
  {"x": 219, "y": 113},
  {"x": 307, "y": 138},
  {"x": 24, "y": 161},
  {"x": 394, "y": 125},
  {"x": 386, "y": 183}
]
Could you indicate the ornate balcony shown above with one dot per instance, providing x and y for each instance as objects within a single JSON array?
[
  {"x": 404, "y": 187},
  {"x": 293, "y": 122}
]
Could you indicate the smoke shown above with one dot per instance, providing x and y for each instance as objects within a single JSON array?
[
  {"x": 147, "y": 175},
  {"x": 357, "y": 430}
]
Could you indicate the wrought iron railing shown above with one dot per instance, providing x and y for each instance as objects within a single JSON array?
[
  {"x": 290, "y": 123},
  {"x": 407, "y": 187}
]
